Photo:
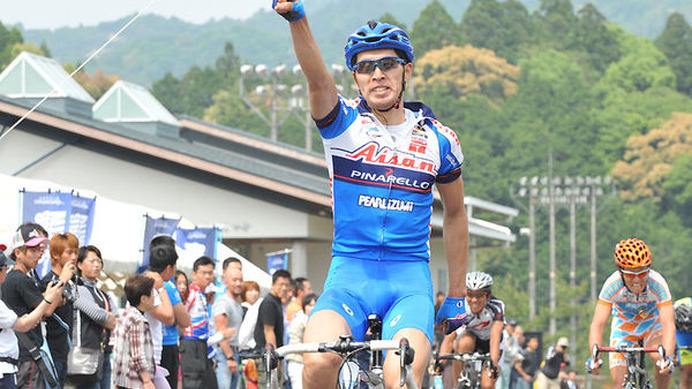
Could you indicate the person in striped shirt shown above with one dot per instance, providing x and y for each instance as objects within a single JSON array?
[
  {"x": 133, "y": 349},
  {"x": 639, "y": 301}
]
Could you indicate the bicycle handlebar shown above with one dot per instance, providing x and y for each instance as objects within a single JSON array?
[
  {"x": 465, "y": 357},
  {"x": 338, "y": 347},
  {"x": 343, "y": 346},
  {"x": 627, "y": 349},
  {"x": 596, "y": 350}
]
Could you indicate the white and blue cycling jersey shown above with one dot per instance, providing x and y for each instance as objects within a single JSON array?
[{"x": 382, "y": 179}]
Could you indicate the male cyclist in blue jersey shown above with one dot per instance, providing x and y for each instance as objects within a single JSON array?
[{"x": 383, "y": 157}]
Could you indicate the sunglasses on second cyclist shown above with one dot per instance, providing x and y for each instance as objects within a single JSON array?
[
  {"x": 476, "y": 295},
  {"x": 367, "y": 66},
  {"x": 632, "y": 274}
]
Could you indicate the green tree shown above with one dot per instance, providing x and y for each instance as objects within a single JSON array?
[
  {"x": 8, "y": 40},
  {"x": 229, "y": 110},
  {"x": 434, "y": 29},
  {"x": 389, "y": 18},
  {"x": 677, "y": 185},
  {"x": 501, "y": 27},
  {"x": 676, "y": 43},
  {"x": 592, "y": 37},
  {"x": 551, "y": 110},
  {"x": 194, "y": 92},
  {"x": 554, "y": 23}
]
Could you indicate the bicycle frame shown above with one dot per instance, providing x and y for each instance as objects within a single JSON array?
[
  {"x": 636, "y": 377},
  {"x": 346, "y": 348}
]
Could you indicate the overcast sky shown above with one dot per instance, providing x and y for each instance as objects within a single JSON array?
[{"x": 60, "y": 13}]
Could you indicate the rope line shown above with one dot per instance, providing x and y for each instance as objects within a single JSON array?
[{"x": 92, "y": 56}]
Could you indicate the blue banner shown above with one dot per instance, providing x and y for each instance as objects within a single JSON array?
[
  {"x": 277, "y": 261},
  {"x": 198, "y": 240},
  {"x": 58, "y": 212},
  {"x": 49, "y": 209},
  {"x": 81, "y": 218},
  {"x": 154, "y": 227}
]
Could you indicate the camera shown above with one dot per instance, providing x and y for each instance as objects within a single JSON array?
[{"x": 70, "y": 293}]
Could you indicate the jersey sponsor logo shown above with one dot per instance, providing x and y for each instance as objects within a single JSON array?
[
  {"x": 389, "y": 178},
  {"x": 386, "y": 156},
  {"x": 419, "y": 141},
  {"x": 346, "y": 169},
  {"x": 385, "y": 204},
  {"x": 347, "y": 309}
]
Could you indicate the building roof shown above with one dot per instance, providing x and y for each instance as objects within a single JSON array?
[
  {"x": 34, "y": 76},
  {"x": 128, "y": 102}
]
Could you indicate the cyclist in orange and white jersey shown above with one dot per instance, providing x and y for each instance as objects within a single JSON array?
[{"x": 639, "y": 301}]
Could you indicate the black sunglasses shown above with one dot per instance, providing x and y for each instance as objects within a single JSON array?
[{"x": 367, "y": 66}]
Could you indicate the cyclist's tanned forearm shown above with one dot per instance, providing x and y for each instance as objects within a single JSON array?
[{"x": 455, "y": 235}]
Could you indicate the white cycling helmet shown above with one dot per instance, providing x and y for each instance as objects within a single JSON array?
[{"x": 477, "y": 280}]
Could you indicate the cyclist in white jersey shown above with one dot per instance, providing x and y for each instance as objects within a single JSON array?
[
  {"x": 639, "y": 301},
  {"x": 384, "y": 157},
  {"x": 483, "y": 330}
]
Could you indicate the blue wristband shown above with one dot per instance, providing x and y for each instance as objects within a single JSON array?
[
  {"x": 452, "y": 314},
  {"x": 294, "y": 15}
]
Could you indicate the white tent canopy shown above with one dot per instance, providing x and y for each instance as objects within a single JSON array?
[{"x": 118, "y": 229}]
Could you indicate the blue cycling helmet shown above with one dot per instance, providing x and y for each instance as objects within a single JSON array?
[{"x": 377, "y": 35}]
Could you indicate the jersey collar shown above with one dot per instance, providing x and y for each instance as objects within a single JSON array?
[{"x": 420, "y": 109}]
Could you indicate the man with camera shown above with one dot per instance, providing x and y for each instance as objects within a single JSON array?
[
  {"x": 63, "y": 255},
  {"x": 22, "y": 295}
]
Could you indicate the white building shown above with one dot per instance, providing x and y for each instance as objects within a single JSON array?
[{"x": 266, "y": 196}]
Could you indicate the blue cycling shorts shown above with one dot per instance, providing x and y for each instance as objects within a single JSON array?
[{"x": 400, "y": 292}]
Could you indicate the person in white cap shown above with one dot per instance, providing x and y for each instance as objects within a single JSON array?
[{"x": 555, "y": 361}]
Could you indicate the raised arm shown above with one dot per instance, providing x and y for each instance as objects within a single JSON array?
[
  {"x": 321, "y": 85},
  {"x": 164, "y": 311}
]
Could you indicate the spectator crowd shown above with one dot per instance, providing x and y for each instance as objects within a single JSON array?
[{"x": 172, "y": 329}]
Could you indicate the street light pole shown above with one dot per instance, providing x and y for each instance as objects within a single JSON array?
[
  {"x": 528, "y": 188},
  {"x": 532, "y": 254},
  {"x": 275, "y": 120},
  {"x": 572, "y": 258}
]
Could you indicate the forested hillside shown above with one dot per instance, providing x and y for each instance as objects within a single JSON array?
[
  {"x": 517, "y": 85},
  {"x": 154, "y": 45}
]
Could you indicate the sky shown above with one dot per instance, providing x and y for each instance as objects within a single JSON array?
[{"x": 51, "y": 14}]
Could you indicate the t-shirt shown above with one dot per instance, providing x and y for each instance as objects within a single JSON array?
[
  {"x": 21, "y": 295},
  {"x": 59, "y": 324},
  {"x": 197, "y": 306},
  {"x": 530, "y": 361},
  {"x": 270, "y": 313},
  {"x": 8, "y": 341},
  {"x": 170, "y": 333},
  {"x": 156, "y": 328},
  {"x": 227, "y": 305},
  {"x": 553, "y": 362}
]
